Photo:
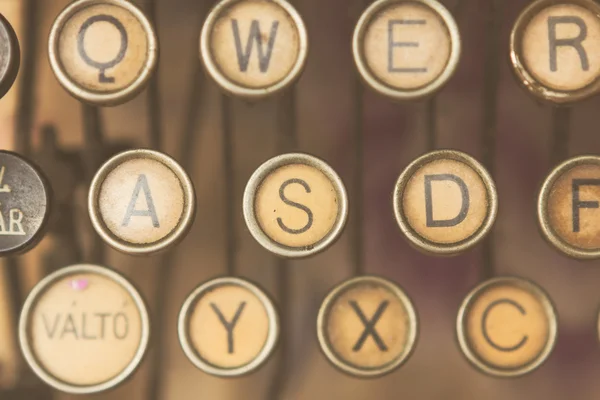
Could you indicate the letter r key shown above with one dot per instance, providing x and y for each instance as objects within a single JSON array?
[{"x": 555, "y": 50}]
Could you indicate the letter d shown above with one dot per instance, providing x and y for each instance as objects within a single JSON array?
[{"x": 464, "y": 209}]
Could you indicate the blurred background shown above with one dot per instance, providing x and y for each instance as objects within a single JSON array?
[{"x": 368, "y": 140}]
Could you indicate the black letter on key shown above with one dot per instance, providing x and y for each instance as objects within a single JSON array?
[
  {"x": 254, "y": 35},
  {"x": 229, "y": 326},
  {"x": 484, "y": 324},
  {"x": 573, "y": 42},
  {"x": 577, "y": 204},
  {"x": 142, "y": 183},
  {"x": 392, "y": 44},
  {"x": 297, "y": 205},
  {"x": 369, "y": 326},
  {"x": 464, "y": 191},
  {"x": 102, "y": 66}
]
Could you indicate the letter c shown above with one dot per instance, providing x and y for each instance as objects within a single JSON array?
[{"x": 484, "y": 323}]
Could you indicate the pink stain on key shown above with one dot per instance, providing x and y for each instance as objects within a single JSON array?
[{"x": 79, "y": 284}]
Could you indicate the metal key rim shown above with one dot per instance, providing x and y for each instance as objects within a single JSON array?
[
  {"x": 461, "y": 332},
  {"x": 249, "y": 208},
  {"x": 237, "y": 89},
  {"x": 526, "y": 78},
  {"x": 330, "y": 353},
  {"x": 542, "y": 208},
  {"x": 30, "y": 303},
  {"x": 406, "y": 94},
  {"x": 421, "y": 243},
  {"x": 204, "y": 365},
  {"x": 98, "y": 98},
  {"x": 172, "y": 238}
]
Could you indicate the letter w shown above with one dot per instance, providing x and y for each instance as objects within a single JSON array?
[{"x": 254, "y": 36}]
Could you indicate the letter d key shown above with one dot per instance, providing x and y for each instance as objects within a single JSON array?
[{"x": 445, "y": 202}]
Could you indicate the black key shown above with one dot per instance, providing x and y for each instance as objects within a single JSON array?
[
  {"x": 24, "y": 203},
  {"x": 10, "y": 56}
]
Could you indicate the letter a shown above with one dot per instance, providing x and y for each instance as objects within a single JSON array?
[{"x": 142, "y": 184}]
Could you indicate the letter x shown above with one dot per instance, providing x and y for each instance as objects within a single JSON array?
[{"x": 369, "y": 326}]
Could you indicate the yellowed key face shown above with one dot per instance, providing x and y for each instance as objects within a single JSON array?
[
  {"x": 568, "y": 207},
  {"x": 228, "y": 327},
  {"x": 295, "y": 205},
  {"x": 84, "y": 329},
  {"x": 406, "y": 49},
  {"x": 445, "y": 202},
  {"x": 103, "y": 51},
  {"x": 254, "y": 47},
  {"x": 367, "y": 326},
  {"x": 556, "y": 49},
  {"x": 141, "y": 201},
  {"x": 507, "y": 327}
]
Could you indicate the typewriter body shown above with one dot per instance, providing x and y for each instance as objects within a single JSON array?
[{"x": 244, "y": 109}]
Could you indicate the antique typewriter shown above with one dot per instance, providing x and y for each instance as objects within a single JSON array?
[{"x": 296, "y": 199}]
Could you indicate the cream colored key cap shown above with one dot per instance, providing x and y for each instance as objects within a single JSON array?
[
  {"x": 254, "y": 48},
  {"x": 445, "y": 202},
  {"x": 142, "y": 202},
  {"x": 84, "y": 329},
  {"x": 406, "y": 49},
  {"x": 228, "y": 327},
  {"x": 568, "y": 208},
  {"x": 507, "y": 326},
  {"x": 555, "y": 49},
  {"x": 367, "y": 326},
  {"x": 103, "y": 51},
  {"x": 295, "y": 205}
]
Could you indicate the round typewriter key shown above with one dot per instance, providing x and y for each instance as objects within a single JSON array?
[
  {"x": 295, "y": 205},
  {"x": 555, "y": 49},
  {"x": 568, "y": 208},
  {"x": 507, "y": 327},
  {"x": 25, "y": 197},
  {"x": 141, "y": 202},
  {"x": 406, "y": 49},
  {"x": 228, "y": 327},
  {"x": 103, "y": 51},
  {"x": 10, "y": 56},
  {"x": 445, "y": 202},
  {"x": 254, "y": 48},
  {"x": 367, "y": 326},
  {"x": 84, "y": 329}
]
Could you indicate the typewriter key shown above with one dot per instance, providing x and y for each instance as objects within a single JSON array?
[
  {"x": 103, "y": 51},
  {"x": 228, "y": 327},
  {"x": 507, "y": 327},
  {"x": 406, "y": 49},
  {"x": 445, "y": 202},
  {"x": 254, "y": 48},
  {"x": 295, "y": 205},
  {"x": 141, "y": 202},
  {"x": 568, "y": 207},
  {"x": 367, "y": 326},
  {"x": 555, "y": 49},
  {"x": 84, "y": 329},
  {"x": 10, "y": 56},
  {"x": 25, "y": 197}
]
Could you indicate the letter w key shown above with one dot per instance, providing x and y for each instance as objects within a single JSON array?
[{"x": 255, "y": 35}]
